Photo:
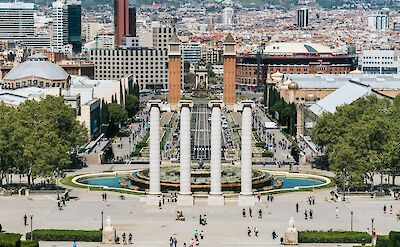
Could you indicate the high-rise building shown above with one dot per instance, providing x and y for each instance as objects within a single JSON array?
[
  {"x": 162, "y": 34},
  {"x": 74, "y": 25},
  {"x": 227, "y": 16},
  {"x": 124, "y": 21},
  {"x": 60, "y": 25},
  {"x": 302, "y": 17},
  {"x": 16, "y": 19},
  {"x": 379, "y": 21},
  {"x": 229, "y": 70}
]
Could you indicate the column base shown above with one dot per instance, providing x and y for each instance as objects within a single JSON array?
[
  {"x": 216, "y": 200},
  {"x": 247, "y": 200},
  {"x": 153, "y": 199},
  {"x": 185, "y": 200}
]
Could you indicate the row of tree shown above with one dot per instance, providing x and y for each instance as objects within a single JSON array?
[
  {"x": 361, "y": 139},
  {"x": 284, "y": 113},
  {"x": 38, "y": 137}
]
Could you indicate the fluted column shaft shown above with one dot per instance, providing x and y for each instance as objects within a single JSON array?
[
  {"x": 215, "y": 151},
  {"x": 246, "y": 174},
  {"x": 185, "y": 159},
  {"x": 155, "y": 160}
]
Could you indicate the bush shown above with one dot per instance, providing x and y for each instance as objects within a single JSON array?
[
  {"x": 333, "y": 237},
  {"x": 382, "y": 241},
  {"x": 268, "y": 154},
  {"x": 260, "y": 144},
  {"x": 10, "y": 240},
  {"x": 394, "y": 239},
  {"x": 65, "y": 235},
  {"x": 33, "y": 243}
]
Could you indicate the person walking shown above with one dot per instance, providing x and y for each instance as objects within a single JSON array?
[
  {"x": 175, "y": 242},
  {"x": 124, "y": 238},
  {"x": 74, "y": 244},
  {"x": 384, "y": 209},
  {"x": 311, "y": 214},
  {"x": 171, "y": 241},
  {"x": 25, "y": 220},
  {"x": 196, "y": 234},
  {"x": 274, "y": 236},
  {"x": 260, "y": 214},
  {"x": 250, "y": 212},
  {"x": 297, "y": 207},
  {"x": 305, "y": 215},
  {"x": 248, "y": 232},
  {"x": 337, "y": 213},
  {"x": 200, "y": 220},
  {"x": 205, "y": 219},
  {"x": 391, "y": 209},
  {"x": 201, "y": 234},
  {"x": 256, "y": 231},
  {"x": 244, "y": 213},
  {"x": 130, "y": 238}
]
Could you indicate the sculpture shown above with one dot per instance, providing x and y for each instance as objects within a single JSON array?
[{"x": 291, "y": 234}]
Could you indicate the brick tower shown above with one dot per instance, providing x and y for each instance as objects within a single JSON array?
[
  {"x": 229, "y": 70},
  {"x": 174, "y": 70}
]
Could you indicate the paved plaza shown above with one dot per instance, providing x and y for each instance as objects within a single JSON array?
[{"x": 226, "y": 226}]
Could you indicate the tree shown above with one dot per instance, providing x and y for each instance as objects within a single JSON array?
[{"x": 131, "y": 105}]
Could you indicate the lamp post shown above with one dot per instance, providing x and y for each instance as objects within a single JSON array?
[
  {"x": 372, "y": 225},
  {"x": 58, "y": 194},
  {"x": 351, "y": 222},
  {"x": 102, "y": 218},
  {"x": 344, "y": 184},
  {"x": 31, "y": 226}
]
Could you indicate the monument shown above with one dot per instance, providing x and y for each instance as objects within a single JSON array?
[
  {"x": 109, "y": 232},
  {"x": 291, "y": 236}
]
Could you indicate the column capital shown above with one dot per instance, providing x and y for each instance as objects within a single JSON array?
[
  {"x": 215, "y": 103},
  {"x": 185, "y": 103},
  {"x": 154, "y": 103},
  {"x": 246, "y": 103}
]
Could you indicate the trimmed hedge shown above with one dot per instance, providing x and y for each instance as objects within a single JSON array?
[
  {"x": 333, "y": 237},
  {"x": 65, "y": 235},
  {"x": 382, "y": 241},
  {"x": 10, "y": 240},
  {"x": 33, "y": 243},
  {"x": 268, "y": 154}
]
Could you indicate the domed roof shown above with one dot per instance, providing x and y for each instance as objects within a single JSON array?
[
  {"x": 37, "y": 66},
  {"x": 293, "y": 86},
  {"x": 310, "y": 97},
  {"x": 287, "y": 82}
]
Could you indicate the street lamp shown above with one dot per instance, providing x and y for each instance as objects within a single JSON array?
[
  {"x": 351, "y": 222},
  {"x": 372, "y": 225},
  {"x": 58, "y": 194},
  {"x": 31, "y": 226}
]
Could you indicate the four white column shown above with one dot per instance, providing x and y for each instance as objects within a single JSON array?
[
  {"x": 185, "y": 193},
  {"x": 215, "y": 197},
  {"x": 246, "y": 197}
]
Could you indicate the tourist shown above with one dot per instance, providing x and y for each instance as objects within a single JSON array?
[
  {"x": 201, "y": 220},
  {"x": 159, "y": 204},
  {"x": 130, "y": 238},
  {"x": 25, "y": 220},
  {"x": 313, "y": 200},
  {"x": 175, "y": 242},
  {"x": 391, "y": 209},
  {"x": 244, "y": 213},
  {"x": 248, "y": 231},
  {"x": 274, "y": 236},
  {"x": 256, "y": 231},
  {"x": 305, "y": 215},
  {"x": 202, "y": 234},
  {"x": 250, "y": 211},
  {"x": 124, "y": 238},
  {"x": 184, "y": 244},
  {"x": 196, "y": 234},
  {"x": 171, "y": 241},
  {"x": 74, "y": 244},
  {"x": 297, "y": 207},
  {"x": 260, "y": 214},
  {"x": 205, "y": 219},
  {"x": 384, "y": 209},
  {"x": 311, "y": 214},
  {"x": 197, "y": 242}
]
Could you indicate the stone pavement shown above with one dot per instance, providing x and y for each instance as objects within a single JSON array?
[{"x": 152, "y": 226}]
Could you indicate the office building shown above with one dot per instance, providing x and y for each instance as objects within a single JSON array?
[
  {"x": 74, "y": 25},
  {"x": 191, "y": 53},
  {"x": 16, "y": 19},
  {"x": 302, "y": 17},
  {"x": 149, "y": 66},
  {"x": 227, "y": 16},
  {"x": 60, "y": 25},
  {"x": 162, "y": 34},
  {"x": 124, "y": 21},
  {"x": 380, "y": 61}
]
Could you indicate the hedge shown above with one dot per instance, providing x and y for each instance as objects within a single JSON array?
[
  {"x": 10, "y": 240},
  {"x": 260, "y": 144},
  {"x": 33, "y": 243},
  {"x": 382, "y": 241},
  {"x": 333, "y": 237},
  {"x": 65, "y": 235},
  {"x": 268, "y": 154}
]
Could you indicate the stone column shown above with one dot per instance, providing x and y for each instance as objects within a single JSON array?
[
  {"x": 246, "y": 197},
  {"x": 185, "y": 194},
  {"x": 215, "y": 197},
  {"x": 155, "y": 160}
]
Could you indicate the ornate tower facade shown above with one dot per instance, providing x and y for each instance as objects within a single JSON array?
[
  {"x": 229, "y": 70},
  {"x": 174, "y": 70}
]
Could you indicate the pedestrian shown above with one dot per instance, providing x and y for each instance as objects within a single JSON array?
[
  {"x": 201, "y": 234},
  {"x": 105, "y": 197},
  {"x": 171, "y": 241},
  {"x": 391, "y": 209},
  {"x": 74, "y": 244},
  {"x": 248, "y": 231},
  {"x": 384, "y": 209},
  {"x": 274, "y": 236},
  {"x": 201, "y": 220},
  {"x": 311, "y": 214},
  {"x": 260, "y": 214},
  {"x": 256, "y": 231},
  {"x": 124, "y": 238},
  {"x": 305, "y": 215},
  {"x": 130, "y": 238},
  {"x": 250, "y": 211},
  {"x": 297, "y": 207},
  {"x": 244, "y": 213},
  {"x": 25, "y": 220},
  {"x": 159, "y": 204},
  {"x": 205, "y": 219},
  {"x": 197, "y": 242},
  {"x": 337, "y": 213},
  {"x": 175, "y": 242},
  {"x": 313, "y": 200},
  {"x": 196, "y": 234}
]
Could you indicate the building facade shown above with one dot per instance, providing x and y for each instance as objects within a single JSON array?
[
  {"x": 378, "y": 22},
  {"x": 380, "y": 61},
  {"x": 191, "y": 52},
  {"x": 60, "y": 25},
  {"x": 162, "y": 34},
  {"x": 302, "y": 17},
  {"x": 16, "y": 19},
  {"x": 74, "y": 25}
]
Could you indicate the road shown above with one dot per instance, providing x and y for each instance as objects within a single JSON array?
[{"x": 201, "y": 128}]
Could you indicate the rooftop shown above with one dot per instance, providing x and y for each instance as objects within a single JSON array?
[{"x": 295, "y": 47}]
